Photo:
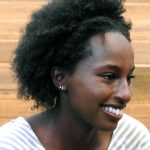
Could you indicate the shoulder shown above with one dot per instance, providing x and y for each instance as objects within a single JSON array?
[
  {"x": 132, "y": 125},
  {"x": 17, "y": 134},
  {"x": 132, "y": 134},
  {"x": 131, "y": 122}
]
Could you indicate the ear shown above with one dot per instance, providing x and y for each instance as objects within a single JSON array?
[{"x": 59, "y": 78}]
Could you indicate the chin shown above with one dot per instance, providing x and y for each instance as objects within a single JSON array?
[{"x": 110, "y": 127}]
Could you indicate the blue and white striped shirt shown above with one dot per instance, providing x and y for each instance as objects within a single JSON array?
[
  {"x": 18, "y": 135},
  {"x": 130, "y": 134}
]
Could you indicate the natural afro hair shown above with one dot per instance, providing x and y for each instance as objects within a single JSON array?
[{"x": 56, "y": 36}]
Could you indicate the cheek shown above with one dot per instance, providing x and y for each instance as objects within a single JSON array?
[
  {"x": 89, "y": 94},
  {"x": 84, "y": 99},
  {"x": 81, "y": 94}
]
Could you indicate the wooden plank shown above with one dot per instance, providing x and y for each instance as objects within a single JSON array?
[
  {"x": 140, "y": 30},
  {"x": 138, "y": 106},
  {"x": 11, "y": 29},
  {"x": 7, "y": 48},
  {"x": 141, "y": 84},
  {"x": 140, "y": 35},
  {"x": 141, "y": 26},
  {"x": 142, "y": 51},
  {"x": 11, "y": 24},
  {"x": 22, "y": 108},
  {"x": 8, "y": 85},
  {"x": 4, "y": 120},
  {"x": 10, "y": 10},
  {"x": 26, "y": 1},
  {"x": 141, "y": 48},
  {"x": 137, "y": 1},
  {"x": 7, "y": 77},
  {"x": 16, "y": 107},
  {"x": 140, "y": 111},
  {"x": 137, "y": 11},
  {"x": 18, "y": 10},
  {"x": 8, "y": 93}
]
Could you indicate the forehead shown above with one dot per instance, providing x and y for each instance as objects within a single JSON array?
[
  {"x": 111, "y": 49},
  {"x": 112, "y": 45}
]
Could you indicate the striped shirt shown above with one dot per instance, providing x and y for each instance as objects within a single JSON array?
[{"x": 130, "y": 134}]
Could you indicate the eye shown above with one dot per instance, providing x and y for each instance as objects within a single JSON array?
[
  {"x": 130, "y": 77},
  {"x": 109, "y": 76}
]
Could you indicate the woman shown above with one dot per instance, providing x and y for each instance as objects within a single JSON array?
[{"x": 76, "y": 61}]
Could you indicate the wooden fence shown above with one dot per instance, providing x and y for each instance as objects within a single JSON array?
[{"x": 14, "y": 14}]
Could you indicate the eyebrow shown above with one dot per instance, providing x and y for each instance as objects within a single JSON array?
[{"x": 116, "y": 68}]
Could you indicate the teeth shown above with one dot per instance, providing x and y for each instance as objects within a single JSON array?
[
  {"x": 115, "y": 111},
  {"x": 110, "y": 109}
]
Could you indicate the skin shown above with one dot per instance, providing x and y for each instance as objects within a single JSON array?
[{"x": 100, "y": 79}]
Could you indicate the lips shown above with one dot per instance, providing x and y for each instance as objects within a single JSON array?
[{"x": 113, "y": 111}]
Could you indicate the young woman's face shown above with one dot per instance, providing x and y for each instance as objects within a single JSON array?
[{"x": 99, "y": 89}]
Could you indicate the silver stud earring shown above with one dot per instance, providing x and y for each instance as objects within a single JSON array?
[{"x": 61, "y": 87}]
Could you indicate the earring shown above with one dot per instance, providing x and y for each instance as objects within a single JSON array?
[{"x": 61, "y": 87}]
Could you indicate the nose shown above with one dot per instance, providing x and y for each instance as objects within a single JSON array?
[{"x": 123, "y": 91}]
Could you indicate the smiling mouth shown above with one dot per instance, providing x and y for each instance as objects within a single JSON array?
[{"x": 114, "y": 111}]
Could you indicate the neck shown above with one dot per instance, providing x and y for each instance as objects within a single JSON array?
[
  {"x": 74, "y": 134},
  {"x": 67, "y": 133}
]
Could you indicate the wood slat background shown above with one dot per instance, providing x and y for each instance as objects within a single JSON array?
[{"x": 14, "y": 14}]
